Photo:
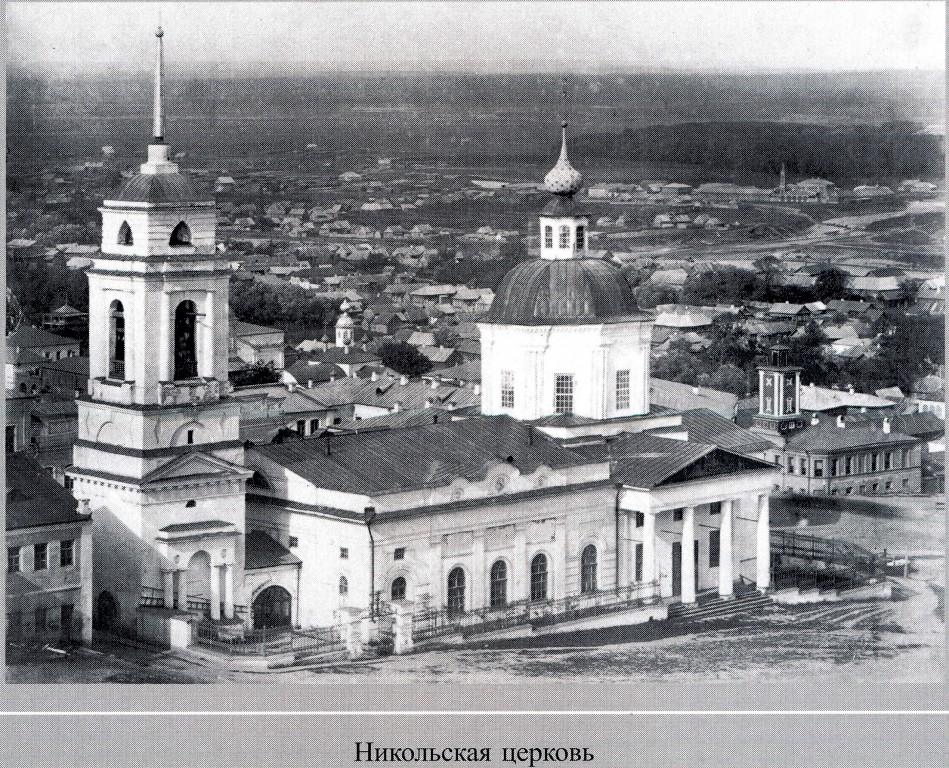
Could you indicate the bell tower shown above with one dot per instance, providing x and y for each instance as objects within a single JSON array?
[{"x": 158, "y": 452}]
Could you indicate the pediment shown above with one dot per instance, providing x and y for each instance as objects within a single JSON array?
[{"x": 194, "y": 464}]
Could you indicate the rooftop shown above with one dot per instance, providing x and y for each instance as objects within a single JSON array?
[{"x": 34, "y": 498}]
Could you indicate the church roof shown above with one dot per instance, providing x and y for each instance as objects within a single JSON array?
[
  {"x": 563, "y": 292},
  {"x": 161, "y": 188},
  {"x": 395, "y": 460}
]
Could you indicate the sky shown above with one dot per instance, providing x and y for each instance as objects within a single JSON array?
[{"x": 295, "y": 38}]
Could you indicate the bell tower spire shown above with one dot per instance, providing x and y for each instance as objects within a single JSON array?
[{"x": 158, "y": 112}]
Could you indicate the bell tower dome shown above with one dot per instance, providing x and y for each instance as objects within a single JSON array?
[{"x": 563, "y": 226}]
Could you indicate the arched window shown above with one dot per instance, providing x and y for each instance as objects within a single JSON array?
[
  {"x": 456, "y": 591},
  {"x": 125, "y": 234},
  {"x": 499, "y": 584},
  {"x": 257, "y": 480},
  {"x": 186, "y": 355},
  {"x": 398, "y": 588},
  {"x": 565, "y": 236},
  {"x": 581, "y": 237},
  {"x": 116, "y": 341},
  {"x": 539, "y": 577},
  {"x": 180, "y": 235},
  {"x": 548, "y": 236},
  {"x": 588, "y": 569},
  {"x": 343, "y": 585}
]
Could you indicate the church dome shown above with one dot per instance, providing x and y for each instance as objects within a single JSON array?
[
  {"x": 345, "y": 321},
  {"x": 563, "y": 178},
  {"x": 561, "y": 292},
  {"x": 161, "y": 188}
]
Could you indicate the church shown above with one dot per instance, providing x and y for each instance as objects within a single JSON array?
[{"x": 567, "y": 484}]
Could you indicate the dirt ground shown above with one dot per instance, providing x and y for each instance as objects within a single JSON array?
[{"x": 899, "y": 640}]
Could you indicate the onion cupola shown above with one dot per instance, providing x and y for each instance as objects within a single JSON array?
[{"x": 563, "y": 179}]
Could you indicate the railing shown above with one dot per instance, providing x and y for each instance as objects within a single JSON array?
[
  {"x": 152, "y": 597},
  {"x": 812, "y": 548},
  {"x": 237, "y": 640},
  {"x": 199, "y": 604},
  {"x": 117, "y": 370},
  {"x": 436, "y": 623}
]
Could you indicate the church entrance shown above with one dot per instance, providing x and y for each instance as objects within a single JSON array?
[
  {"x": 271, "y": 608},
  {"x": 107, "y": 612},
  {"x": 677, "y": 567}
]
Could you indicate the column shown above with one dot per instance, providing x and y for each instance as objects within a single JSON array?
[
  {"x": 559, "y": 581},
  {"x": 436, "y": 578},
  {"x": 165, "y": 372},
  {"x": 169, "y": 583},
  {"x": 725, "y": 576},
  {"x": 763, "y": 554},
  {"x": 623, "y": 576},
  {"x": 478, "y": 576},
  {"x": 228, "y": 573},
  {"x": 182, "y": 590},
  {"x": 649, "y": 549},
  {"x": 215, "y": 592},
  {"x": 688, "y": 555},
  {"x": 519, "y": 579}
]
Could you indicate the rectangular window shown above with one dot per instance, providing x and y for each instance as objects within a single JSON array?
[
  {"x": 639, "y": 562},
  {"x": 507, "y": 389},
  {"x": 848, "y": 490},
  {"x": 65, "y": 554},
  {"x": 565, "y": 237},
  {"x": 563, "y": 393},
  {"x": 874, "y": 462},
  {"x": 677, "y": 514},
  {"x": 622, "y": 390},
  {"x": 889, "y": 485},
  {"x": 343, "y": 553},
  {"x": 834, "y": 467},
  {"x": 293, "y": 541},
  {"x": 818, "y": 467},
  {"x": 715, "y": 508},
  {"x": 714, "y": 545},
  {"x": 640, "y": 519},
  {"x": 190, "y": 437},
  {"x": 905, "y": 483},
  {"x": 548, "y": 237},
  {"x": 13, "y": 559},
  {"x": 848, "y": 465},
  {"x": 581, "y": 237},
  {"x": 39, "y": 557},
  {"x": 314, "y": 426},
  {"x": 888, "y": 460},
  {"x": 301, "y": 427},
  {"x": 790, "y": 465},
  {"x": 399, "y": 553},
  {"x": 876, "y": 488},
  {"x": 803, "y": 466}
]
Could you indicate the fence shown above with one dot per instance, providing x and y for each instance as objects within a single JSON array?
[
  {"x": 437, "y": 623},
  {"x": 239, "y": 641},
  {"x": 828, "y": 579},
  {"x": 807, "y": 547}
]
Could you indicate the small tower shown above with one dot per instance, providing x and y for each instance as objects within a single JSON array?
[
  {"x": 783, "y": 181},
  {"x": 563, "y": 228},
  {"x": 779, "y": 386},
  {"x": 345, "y": 330}
]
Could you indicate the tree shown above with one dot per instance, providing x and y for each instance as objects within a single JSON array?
[
  {"x": 729, "y": 378},
  {"x": 807, "y": 351},
  {"x": 404, "y": 358},
  {"x": 831, "y": 284}
]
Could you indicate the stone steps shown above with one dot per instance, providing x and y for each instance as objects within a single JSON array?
[{"x": 750, "y": 602}]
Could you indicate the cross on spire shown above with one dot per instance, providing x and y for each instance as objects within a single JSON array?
[{"x": 158, "y": 112}]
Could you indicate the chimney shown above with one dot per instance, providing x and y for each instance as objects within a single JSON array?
[
  {"x": 403, "y": 380},
  {"x": 83, "y": 508},
  {"x": 327, "y": 447},
  {"x": 435, "y": 384},
  {"x": 850, "y": 389},
  {"x": 863, "y": 409},
  {"x": 374, "y": 376},
  {"x": 291, "y": 386},
  {"x": 309, "y": 383},
  {"x": 811, "y": 385},
  {"x": 886, "y": 426},
  {"x": 332, "y": 377},
  {"x": 477, "y": 389},
  {"x": 815, "y": 420},
  {"x": 396, "y": 407},
  {"x": 346, "y": 348},
  {"x": 840, "y": 422},
  {"x": 428, "y": 402}
]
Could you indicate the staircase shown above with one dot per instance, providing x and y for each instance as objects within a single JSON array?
[{"x": 711, "y": 606}]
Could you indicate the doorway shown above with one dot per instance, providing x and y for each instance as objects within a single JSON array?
[{"x": 271, "y": 608}]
